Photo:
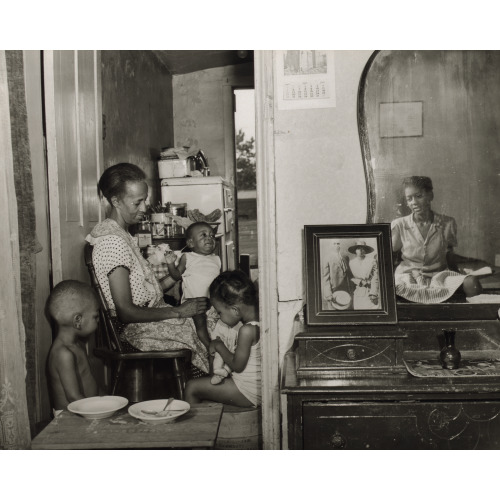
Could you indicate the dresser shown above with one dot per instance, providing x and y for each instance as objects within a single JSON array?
[{"x": 352, "y": 387}]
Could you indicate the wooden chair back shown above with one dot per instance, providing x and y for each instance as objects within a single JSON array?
[{"x": 109, "y": 326}]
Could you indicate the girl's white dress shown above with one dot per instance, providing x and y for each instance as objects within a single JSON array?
[{"x": 249, "y": 380}]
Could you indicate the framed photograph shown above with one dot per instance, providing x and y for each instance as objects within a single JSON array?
[{"x": 349, "y": 275}]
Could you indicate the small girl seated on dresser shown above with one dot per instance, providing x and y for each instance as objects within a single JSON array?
[
  {"x": 235, "y": 298},
  {"x": 197, "y": 269}
]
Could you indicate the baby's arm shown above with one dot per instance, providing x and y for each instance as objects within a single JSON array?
[
  {"x": 175, "y": 272},
  {"x": 237, "y": 361}
]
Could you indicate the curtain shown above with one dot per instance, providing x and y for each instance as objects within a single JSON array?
[
  {"x": 14, "y": 420},
  {"x": 28, "y": 243}
]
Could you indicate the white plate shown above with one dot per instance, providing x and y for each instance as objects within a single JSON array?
[
  {"x": 175, "y": 409},
  {"x": 98, "y": 406}
]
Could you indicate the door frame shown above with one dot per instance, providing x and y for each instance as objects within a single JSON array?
[
  {"x": 33, "y": 81},
  {"x": 266, "y": 232},
  {"x": 52, "y": 166}
]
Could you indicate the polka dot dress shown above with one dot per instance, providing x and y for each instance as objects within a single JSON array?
[{"x": 113, "y": 252}]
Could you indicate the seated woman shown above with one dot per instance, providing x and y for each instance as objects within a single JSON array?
[
  {"x": 426, "y": 240},
  {"x": 127, "y": 279}
]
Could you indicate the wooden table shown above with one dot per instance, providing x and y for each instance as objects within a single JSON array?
[{"x": 196, "y": 429}]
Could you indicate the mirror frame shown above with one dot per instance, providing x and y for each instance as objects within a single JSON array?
[{"x": 410, "y": 311}]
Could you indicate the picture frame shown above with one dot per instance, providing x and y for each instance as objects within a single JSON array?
[
  {"x": 349, "y": 274},
  {"x": 401, "y": 119}
]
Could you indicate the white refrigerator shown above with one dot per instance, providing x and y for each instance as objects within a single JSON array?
[{"x": 206, "y": 194}]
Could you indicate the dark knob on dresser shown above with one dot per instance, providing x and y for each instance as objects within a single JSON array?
[{"x": 338, "y": 441}]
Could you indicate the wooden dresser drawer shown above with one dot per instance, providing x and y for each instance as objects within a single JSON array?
[
  {"x": 318, "y": 354},
  {"x": 415, "y": 425}
]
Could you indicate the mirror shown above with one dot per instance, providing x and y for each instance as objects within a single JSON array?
[{"x": 436, "y": 114}]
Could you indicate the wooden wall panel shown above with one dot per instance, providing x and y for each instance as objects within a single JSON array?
[
  {"x": 67, "y": 134},
  {"x": 87, "y": 120},
  {"x": 74, "y": 150}
]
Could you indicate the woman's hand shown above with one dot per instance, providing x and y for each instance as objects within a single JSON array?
[{"x": 192, "y": 307}]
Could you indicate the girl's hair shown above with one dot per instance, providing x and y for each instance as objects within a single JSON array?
[
  {"x": 234, "y": 287},
  {"x": 113, "y": 180},
  {"x": 418, "y": 181}
]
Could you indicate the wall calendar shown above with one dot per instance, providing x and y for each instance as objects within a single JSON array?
[{"x": 305, "y": 79}]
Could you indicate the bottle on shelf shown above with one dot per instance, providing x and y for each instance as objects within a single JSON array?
[{"x": 143, "y": 234}]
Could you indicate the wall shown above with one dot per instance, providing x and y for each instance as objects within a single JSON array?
[
  {"x": 203, "y": 113},
  {"x": 319, "y": 179},
  {"x": 137, "y": 103}
]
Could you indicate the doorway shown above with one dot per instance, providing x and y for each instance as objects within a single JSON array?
[{"x": 245, "y": 177}]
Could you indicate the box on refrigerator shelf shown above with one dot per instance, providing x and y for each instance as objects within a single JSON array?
[{"x": 173, "y": 168}]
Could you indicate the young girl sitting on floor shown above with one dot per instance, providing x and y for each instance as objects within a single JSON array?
[{"x": 235, "y": 298}]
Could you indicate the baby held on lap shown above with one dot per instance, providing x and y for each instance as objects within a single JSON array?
[{"x": 197, "y": 268}]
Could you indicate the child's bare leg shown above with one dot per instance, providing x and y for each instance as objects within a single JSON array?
[
  {"x": 200, "y": 322},
  {"x": 200, "y": 389}
]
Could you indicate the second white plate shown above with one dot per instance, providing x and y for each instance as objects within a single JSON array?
[{"x": 175, "y": 409}]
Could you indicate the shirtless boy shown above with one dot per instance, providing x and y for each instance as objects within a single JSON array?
[{"x": 75, "y": 310}]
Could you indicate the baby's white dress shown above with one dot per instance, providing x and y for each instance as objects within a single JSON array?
[{"x": 200, "y": 271}]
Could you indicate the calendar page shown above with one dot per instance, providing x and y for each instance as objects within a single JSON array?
[{"x": 305, "y": 79}]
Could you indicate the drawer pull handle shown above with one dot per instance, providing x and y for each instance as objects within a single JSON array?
[
  {"x": 351, "y": 354},
  {"x": 338, "y": 441}
]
